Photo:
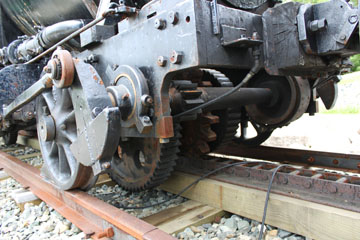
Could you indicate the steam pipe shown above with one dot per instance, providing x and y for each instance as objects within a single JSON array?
[{"x": 24, "y": 49}]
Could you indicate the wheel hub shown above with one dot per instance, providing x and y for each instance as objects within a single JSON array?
[{"x": 47, "y": 128}]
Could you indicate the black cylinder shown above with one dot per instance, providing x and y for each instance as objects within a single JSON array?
[{"x": 242, "y": 97}]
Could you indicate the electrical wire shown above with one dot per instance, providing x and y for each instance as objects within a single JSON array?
[
  {"x": 267, "y": 199},
  {"x": 186, "y": 188},
  {"x": 255, "y": 69},
  {"x": 275, "y": 171}
]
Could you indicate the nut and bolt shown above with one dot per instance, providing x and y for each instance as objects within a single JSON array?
[
  {"x": 106, "y": 165},
  {"x": 343, "y": 37},
  {"x": 146, "y": 119},
  {"x": 353, "y": 19},
  {"x": 318, "y": 25},
  {"x": 125, "y": 96},
  {"x": 173, "y": 17},
  {"x": 161, "y": 61},
  {"x": 147, "y": 100},
  {"x": 160, "y": 24},
  {"x": 176, "y": 57},
  {"x": 91, "y": 59},
  {"x": 63, "y": 127}
]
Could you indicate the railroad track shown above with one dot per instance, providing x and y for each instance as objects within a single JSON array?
[{"x": 308, "y": 197}]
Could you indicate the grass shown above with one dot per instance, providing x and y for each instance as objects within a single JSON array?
[
  {"x": 342, "y": 110},
  {"x": 350, "y": 78}
]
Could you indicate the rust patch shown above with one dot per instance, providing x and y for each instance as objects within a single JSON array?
[{"x": 165, "y": 128}]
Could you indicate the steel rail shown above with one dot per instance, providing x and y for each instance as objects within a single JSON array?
[
  {"x": 339, "y": 161},
  {"x": 94, "y": 217},
  {"x": 319, "y": 186}
]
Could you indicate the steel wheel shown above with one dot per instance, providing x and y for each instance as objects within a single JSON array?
[
  {"x": 260, "y": 133},
  {"x": 56, "y": 127}
]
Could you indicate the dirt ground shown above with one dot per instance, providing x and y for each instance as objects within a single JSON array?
[{"x": 323, "y": 132}]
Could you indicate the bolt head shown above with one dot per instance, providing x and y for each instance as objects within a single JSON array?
[
  {"x": 161, "y": 61},
  {"x": 173, "y": 17},
  {"x": 146, "y": 119},
  {"x": 160, "y": 24},
  {"x": 176, "y": 57},
  {"x": 106, "y": 165}
]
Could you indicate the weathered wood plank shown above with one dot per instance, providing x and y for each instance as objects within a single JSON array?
[
  {"x": 27, "y": 141},
  {"x": 309, "y": 219},
  {"x": 189, "y": 213}
]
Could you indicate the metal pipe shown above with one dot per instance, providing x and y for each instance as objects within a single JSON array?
[
  {"x": 74, "y": 34},
  {"x": 241, "y": 97},
  {"x": 45, "y": 39},
  {"x": 54, "y": 33}
]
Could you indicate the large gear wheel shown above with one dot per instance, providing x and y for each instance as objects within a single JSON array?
[{"x": 144, "y": 163}]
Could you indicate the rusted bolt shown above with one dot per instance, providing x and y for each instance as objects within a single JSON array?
[
  {"x": 125, "y": 96},
  {"x": 107, "y": 233},
  {"x": 335, "y": 161},
  {"x": 311, "y": 160},
  {"x": 173, "y": 17},
  {"x": 106, "y": 165},
  {"x": 176, "y": 57},
  {"x": 353, "y": 19},
  {"x": 161, "y": 61},
  {"x": 46, "y": 69},
  {"x": 160, "y": 24},
  {"x": 358, "y": 166}
]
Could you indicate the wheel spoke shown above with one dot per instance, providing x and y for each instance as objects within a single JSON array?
[
  {"x": 65, "y": 100},
  {"x": 63, "y": 163},
  {"x": 49, "y": 99},
  {"x": 72, "y": 162},
  {"x": 70, "y": 118},
  {"x": 53, "y": 149}
]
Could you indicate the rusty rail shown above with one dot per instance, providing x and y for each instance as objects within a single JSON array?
[
  {"x": 94, "y": 217},
  {"x": 319, "y": 186},
  {"x": 309, "y": 158}
]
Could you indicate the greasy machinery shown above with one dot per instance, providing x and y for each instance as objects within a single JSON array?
[{"x": 126, "y": 87}]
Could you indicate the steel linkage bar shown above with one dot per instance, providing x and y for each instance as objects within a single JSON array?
[{"x": 94, "y": 217}]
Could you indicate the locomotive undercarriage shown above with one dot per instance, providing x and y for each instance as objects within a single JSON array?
[{"x": 174, "y": 78}]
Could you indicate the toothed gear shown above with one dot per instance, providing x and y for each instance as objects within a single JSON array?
[
  {"x": 144, "y": 163},
  {"x": 190, "y": 97},
  {"x": 212, "y": 129}
]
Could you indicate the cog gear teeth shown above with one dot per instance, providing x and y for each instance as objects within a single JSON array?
[{"x": 218, "y": 78}]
